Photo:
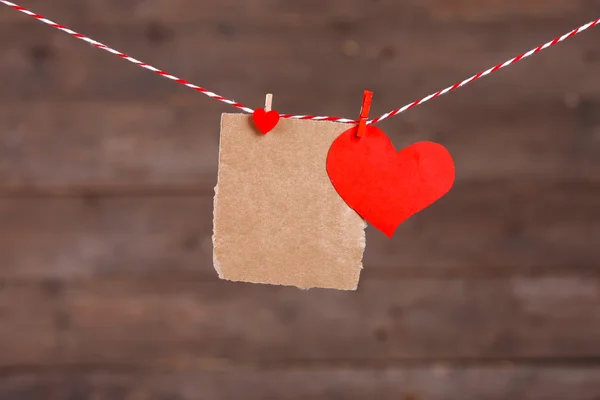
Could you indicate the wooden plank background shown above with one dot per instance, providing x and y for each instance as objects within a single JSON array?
[{"x": 107, "y": 289}]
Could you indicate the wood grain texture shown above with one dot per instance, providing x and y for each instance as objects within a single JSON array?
[
  {"x": 57, "y": 147},
  {"x": 107, "y": 290},
  {"x": 284, "y": 11},
  {"x": 93, "y": 146},
  {"x": 170, "y": 322},
  {"x": 398, "y": 62},
  {"x": 398, "y": 383},
  {"x": 476, "y": 230},
  {"x": 28, "y": 316}
]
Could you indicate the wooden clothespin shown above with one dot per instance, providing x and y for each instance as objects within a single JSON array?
[
  {"x": 268, "y": 102},
  {"x": 364, "y": 113}
]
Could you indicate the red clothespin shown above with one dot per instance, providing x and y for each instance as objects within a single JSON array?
[{"x": 364, "y": 113}]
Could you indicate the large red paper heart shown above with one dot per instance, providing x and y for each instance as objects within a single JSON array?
[
  {"x": 383, "y": 186},
  {"x": 265, "y": 121}
]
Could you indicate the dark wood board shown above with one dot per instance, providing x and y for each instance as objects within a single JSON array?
[
  {"x": 400, "y": 63},
  {"x": 437, "y": 382},
  {"x": 475, "y": 231},
  {"x": 127, "y": 147},
  {"x": 295, "y": 12},
  {"x": 169, "y": 321}
]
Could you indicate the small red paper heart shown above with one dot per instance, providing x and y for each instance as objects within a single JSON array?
[
  {"x": 265, "y": 121},
  {"x": 383, "y": 186}
]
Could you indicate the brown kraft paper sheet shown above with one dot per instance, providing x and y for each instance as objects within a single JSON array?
[{"x": 277, "y": 217}]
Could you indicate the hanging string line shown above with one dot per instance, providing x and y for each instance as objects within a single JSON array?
[
  {"x": 292, "y": 116},
  {"x": 486, "y": 72}
]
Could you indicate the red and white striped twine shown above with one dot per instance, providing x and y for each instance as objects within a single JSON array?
[{"x": 311, "y": 117}]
